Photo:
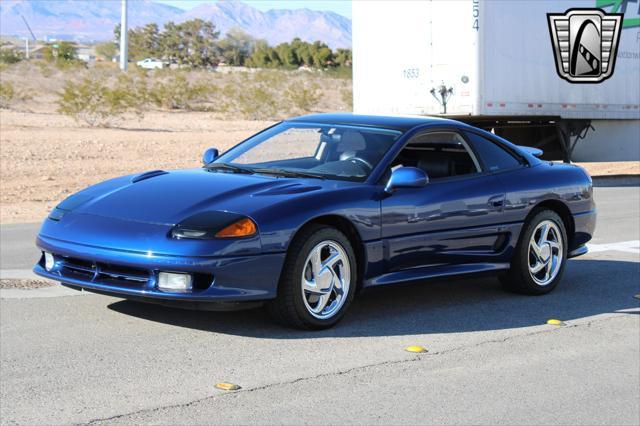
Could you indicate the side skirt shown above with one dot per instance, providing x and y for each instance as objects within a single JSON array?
[{"x": 430, "y": 272}]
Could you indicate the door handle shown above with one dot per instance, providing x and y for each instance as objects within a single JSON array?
[{"x": 496, "y": 202}]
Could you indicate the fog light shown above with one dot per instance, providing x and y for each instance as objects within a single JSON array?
[
  {"x": 177, "y": 283},
  {"x": 49, "y": 261}
]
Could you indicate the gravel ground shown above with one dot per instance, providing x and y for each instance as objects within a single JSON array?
[
  {"x": 612, "y": 168},
  {"x": 25, "y": 284}
]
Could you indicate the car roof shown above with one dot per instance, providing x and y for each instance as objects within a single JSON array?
[{"x": 402, "y": 123}]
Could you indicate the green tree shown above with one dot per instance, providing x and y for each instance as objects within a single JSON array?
[
  {"x": 192, "y": 42},
  {"x": 170, "y": 43},
  {"x": 144, "y": 42},
  {"x": 302, "y": 51},
  {"x": 322, "y": 55},
  {"x": 286, "y": 55},
  {"x": 263, "y": 56},
  {"x": 236, "y": 47},
  {"x": 343, "y": 58}
]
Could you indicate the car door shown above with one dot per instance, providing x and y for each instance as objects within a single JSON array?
[
  {"x": 510, "y": 168},
  {"x": 455, "y": 218}
]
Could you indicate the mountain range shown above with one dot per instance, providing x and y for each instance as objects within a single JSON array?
[{"x": 94, "y": 20}]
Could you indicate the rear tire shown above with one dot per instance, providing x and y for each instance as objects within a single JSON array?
[
  {"x": 540, "y": 256},
  {"x": 318, "y": 280}
]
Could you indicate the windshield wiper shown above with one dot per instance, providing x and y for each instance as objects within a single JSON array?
[
  {"x": 289, "y": 173},
  {"x": 230, "y": 167}
]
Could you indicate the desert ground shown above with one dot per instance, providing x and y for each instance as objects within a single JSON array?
[{"x": 45, "y": 155}]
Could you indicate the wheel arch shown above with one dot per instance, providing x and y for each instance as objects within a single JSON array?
[
  {"x": 345, "y": 226},
  {"x": 562, "y": 210}
]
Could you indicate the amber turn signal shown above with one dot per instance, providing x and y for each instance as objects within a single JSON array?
[{"x": 242, "y": 228}]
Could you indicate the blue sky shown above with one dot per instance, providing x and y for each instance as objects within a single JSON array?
[{"x": 343, "y": 7}]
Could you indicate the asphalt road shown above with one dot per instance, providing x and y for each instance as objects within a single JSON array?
[{"x": 491, "y": 360}]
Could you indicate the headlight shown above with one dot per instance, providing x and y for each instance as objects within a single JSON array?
[
  {"x": 199, "y": 234},
  {"x": 215, "y": 224}
]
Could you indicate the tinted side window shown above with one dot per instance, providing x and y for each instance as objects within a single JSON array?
[
  {"x": 441, "y": 154},
  {"x": 493, "y": 156}
]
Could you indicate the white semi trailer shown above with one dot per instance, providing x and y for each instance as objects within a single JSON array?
[{"x": 496, "y": 57}]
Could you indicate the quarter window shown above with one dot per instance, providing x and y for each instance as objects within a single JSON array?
[{"x": 493, "y": 156}]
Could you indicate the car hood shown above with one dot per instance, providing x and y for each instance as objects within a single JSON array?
[{"x": 169, "y": 197}]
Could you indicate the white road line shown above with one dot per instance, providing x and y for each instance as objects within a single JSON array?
[{"x": 624, "y": 246}]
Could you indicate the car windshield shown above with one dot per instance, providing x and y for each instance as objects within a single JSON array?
[{"x": 323, "y": 151}]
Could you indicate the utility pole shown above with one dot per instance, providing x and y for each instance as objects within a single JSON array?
[
  {"x": 26, "y": 46},
  {"x": 124, "y": 35}
]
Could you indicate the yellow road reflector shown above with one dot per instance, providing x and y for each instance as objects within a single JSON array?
[
  {"x": 555, "y": 322},
  {"x": 415, "y": 349},
  {"x": 227, "y": 386}
]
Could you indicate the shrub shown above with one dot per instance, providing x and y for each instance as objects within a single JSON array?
[
  {"x": 179, "y": 93},
  {"x": 10, "y": 56},
  {"x": 97, "y": 104},
  {"x": 257, "y": 103},
  {"x": 7, "y": 94},
  {"x": 272, "y": 78},
  {"x": 345, "y": 73},
  {"x": 347, "y": 98},
  {"x": 45, "y": 68},
  {"x": 304, "y": 96}
]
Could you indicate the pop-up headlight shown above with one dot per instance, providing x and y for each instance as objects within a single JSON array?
[{"x": 215, "y": 224}]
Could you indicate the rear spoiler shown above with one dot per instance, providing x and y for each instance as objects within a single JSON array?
[{"x": 531, "y": 150}]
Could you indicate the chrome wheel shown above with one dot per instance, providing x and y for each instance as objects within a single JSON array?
[
  {"x": 545, "y": 252},
  {"x": 326, "y": 277}
]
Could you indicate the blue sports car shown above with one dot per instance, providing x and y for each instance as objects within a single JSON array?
[{"x": 302, "y": 215}]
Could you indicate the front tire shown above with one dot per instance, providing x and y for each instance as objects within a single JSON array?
[
  {"x": 318, "y": 280},
  {"x": 540, "y": 257}
]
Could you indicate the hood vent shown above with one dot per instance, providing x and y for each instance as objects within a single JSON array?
[
  {"x": 148, "y": 175},
  {"x": 293, "y": 188}
]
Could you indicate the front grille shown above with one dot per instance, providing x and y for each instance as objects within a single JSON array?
[{"x": 117, "y": 275}]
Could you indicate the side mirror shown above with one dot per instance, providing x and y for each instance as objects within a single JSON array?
[
  {"x": 209, "y": 155},
  {"x": 406, "y": 177}
]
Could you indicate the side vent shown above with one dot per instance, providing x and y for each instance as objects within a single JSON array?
[{"x": 148, "y": 175}]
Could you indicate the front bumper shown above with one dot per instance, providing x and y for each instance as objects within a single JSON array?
[{"x": 134, "y": 274}]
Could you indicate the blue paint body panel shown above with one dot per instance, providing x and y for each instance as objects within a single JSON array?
[{"x": 115, "y": 237}]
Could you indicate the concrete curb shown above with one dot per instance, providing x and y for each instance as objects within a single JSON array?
[{"x": 616, "y": 180}]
